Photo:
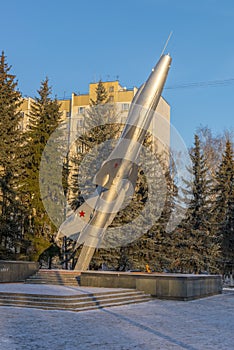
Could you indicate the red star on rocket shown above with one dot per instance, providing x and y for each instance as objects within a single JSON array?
[{"x": 82, "y": 213}]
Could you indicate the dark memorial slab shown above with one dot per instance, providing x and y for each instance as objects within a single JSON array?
[
  {"x": 161, "y": 285},
  {"x": 16, "y": 271}
]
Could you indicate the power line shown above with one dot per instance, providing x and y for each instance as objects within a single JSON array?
[
  {"x": 192, "y": 85},
  {"x": 200, "y": 84}
]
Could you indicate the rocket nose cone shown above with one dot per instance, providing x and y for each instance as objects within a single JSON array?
[
  {"x": 163, "y": 65},
  {"x": 166, "y": 58}
]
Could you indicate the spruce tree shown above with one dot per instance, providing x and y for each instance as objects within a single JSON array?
[
  {"x": 101, "y": 95},
  {"x": 10, "y": 160},
  {"x": 224, "y": 208},
  {"x": 44, "y": 118},
  {"x": 195, "y": 248}
]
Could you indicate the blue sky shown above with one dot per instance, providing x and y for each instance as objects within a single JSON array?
[{"x": 75, "y": 42}]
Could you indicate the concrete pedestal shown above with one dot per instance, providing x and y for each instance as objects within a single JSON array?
[
  {"x": 15, "y": 271},
  {"x": 160, "y": 285}
]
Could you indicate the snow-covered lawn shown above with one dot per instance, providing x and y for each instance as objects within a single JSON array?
[{"x": 159, "y": 324}]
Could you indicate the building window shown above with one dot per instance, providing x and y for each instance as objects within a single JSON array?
[
  {"x": 125, "y": 106},
  {"x": 111, "y": 98},
  {"x": 81, "y": 110},
  {"x": 68, "y": 114},
  {"x": 111, "y": 89},
  {"x": 79, "y": 123}
]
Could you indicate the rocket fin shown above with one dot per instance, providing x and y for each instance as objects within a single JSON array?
[
  {"x": 109, "y": 172},
  {"x": 91, "y": 235},
  {"x": 78, "y": 219}
]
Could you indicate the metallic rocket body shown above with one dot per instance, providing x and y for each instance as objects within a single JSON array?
[
  {"x": 117, "y": 176},
  {"x": 139, "y": 118}
]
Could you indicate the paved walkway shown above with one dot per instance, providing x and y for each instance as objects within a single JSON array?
[
  {"x": 204, "y": 324},
  {"x": 50, "y": 289}
]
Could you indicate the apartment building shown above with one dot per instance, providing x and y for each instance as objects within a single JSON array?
[{"x": 74, "y": 109}]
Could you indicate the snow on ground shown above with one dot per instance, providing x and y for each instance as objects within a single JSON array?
[
  {"x": 49, "y": 289},
  {"x": 202, "y": 324}
]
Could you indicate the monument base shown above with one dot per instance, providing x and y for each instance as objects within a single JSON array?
[
  {"x": 16, "y": 271},
  {"x": 161, "y": 285}
]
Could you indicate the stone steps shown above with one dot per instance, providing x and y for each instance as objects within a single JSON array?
[
  {"x": 55, "y": 277},
  {"x": 79, "y": 302}
]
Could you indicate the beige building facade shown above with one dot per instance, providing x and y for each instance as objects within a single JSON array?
[{"x": 74, "y": 109}]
